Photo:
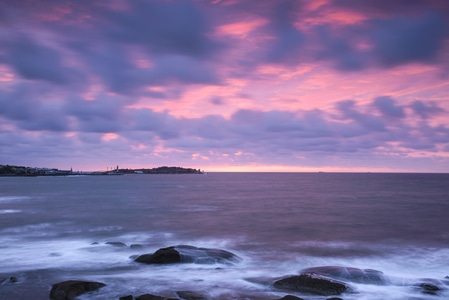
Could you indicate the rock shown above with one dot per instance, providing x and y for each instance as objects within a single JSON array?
[
  {"x": 366, "y": 276},
  {"x": 12, "y": 279},
  {"x": 429, "y": 288},
  {"x": 290, "y": 297},
  {"x": 188, "y": 295},
  {"x": 135, "y": 246},
  {"x": 68, "y": 290},
  {"x": 153, "y": 297},
  {"x": 129, "y": 297},
  {"x": 334, "y": 298},
  {"x": 187, "y": 254},
  {"x": 312, "y": 284},
  {"x": 162, "y": 256},
  {"x": 116, "y": 244}
]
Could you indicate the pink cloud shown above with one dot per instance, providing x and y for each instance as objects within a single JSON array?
[{"x": 230, "y": 85}]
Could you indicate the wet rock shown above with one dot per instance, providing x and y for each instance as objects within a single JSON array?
[
  {"x": 366, "y": 276},
  {"x": 187, "y": 254},
  {"x": 188, "y": 295},
  {"x": 312, "y": 284},
  {"x": 334, "y": 298},
  {"x": 135, "y": 246},
  {"x": 429, "y": 288},
  {"x": 291, "y": 297},
  {"x": 116, "y": 244},
  {"x": 162, "y": 256},
  {"x": 12, "y": 279},
  {"x": 70, "y": 289},
  {"x": 153, "y": 297},
  {"x": 129, "y": 297}
]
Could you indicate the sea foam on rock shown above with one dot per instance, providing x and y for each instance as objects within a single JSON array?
[
  {"x": 188, "y": 254},
  {"x": 365, "y": 276}
]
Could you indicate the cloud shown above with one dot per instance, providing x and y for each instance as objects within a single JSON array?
[
  {"x": 388, "y": 108},
  {"x": 146, "y": 79},
  {"x": 27, "y": 108},
  {"x": 162, "y": 27},
  {"x": 35, "y": 61},
  {"x": 287, "y": 42},
  {"x": 426, "y": 110},
  {"x": 403, "y": 40}
]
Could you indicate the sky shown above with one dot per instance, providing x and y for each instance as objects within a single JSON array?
[{"x": 226, "y": 85}]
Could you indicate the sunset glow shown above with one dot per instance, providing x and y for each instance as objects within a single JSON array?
[{"x": 285, "y": 86}]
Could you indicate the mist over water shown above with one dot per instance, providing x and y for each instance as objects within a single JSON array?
[{"x": 57, "y": 228}]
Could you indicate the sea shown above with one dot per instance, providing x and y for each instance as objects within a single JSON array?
[{"x": 91, "y": 228}]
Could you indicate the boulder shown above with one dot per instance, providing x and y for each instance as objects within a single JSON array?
[
  {"x": 429, "y": 288},
  {"x": 187, "y": 254},
  {"x": 116, "y": 244},
  {"x": 11, "y": 279},
  {"x": 188, "y": 295},
  {"x": 153, "y": 297},
  {"x": 365, "y": 276},
  {"x": 291, "y": 297},
  {"x": 70, "y": 289},
  {"x": 129, "y": 297},
  {"x": 162, "y": 256},
  {"x": 312, "y": 284}
]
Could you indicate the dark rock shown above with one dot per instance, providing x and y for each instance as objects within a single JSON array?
[
  {"x": 366, "y": 276},
  {"x": 188, "y": 295},
  {"x": 187, "y": 254},
  {"x": 429, "y": 288},
  {"x": 334, "y": 298},
  {"x": 68, "y": 290},
  {"x": 116, "y": 244},
  {"x": 290, "y": 297},
  {"x": 153, "y": 297},
  {"x": 312, "y": 284},
  {"x": 11, "y": 279},
  {"x": 129, "y": 297},
  {"x": 134, "y": 246},
  {"x": 162, "y": 256}
]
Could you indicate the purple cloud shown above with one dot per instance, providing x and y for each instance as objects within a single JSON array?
[{"x": 388, "y": 108}]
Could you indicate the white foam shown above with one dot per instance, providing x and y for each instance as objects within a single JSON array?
[
  {"x": 10, "y": 211},
  {"x": 13, "y": 198}
]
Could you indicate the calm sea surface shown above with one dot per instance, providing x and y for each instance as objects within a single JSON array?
[{"x": 56, "y": 228}]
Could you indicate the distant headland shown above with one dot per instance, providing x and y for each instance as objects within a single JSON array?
[{"x": 8, "y": 170}]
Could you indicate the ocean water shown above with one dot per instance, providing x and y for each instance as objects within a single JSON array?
[{"x": 58, "y": 228}]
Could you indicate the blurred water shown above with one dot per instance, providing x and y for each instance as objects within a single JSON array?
[{"x": 56, "y": 228}]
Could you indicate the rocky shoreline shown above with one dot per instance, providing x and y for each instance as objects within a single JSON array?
[{"x": 328, "y": 282}]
